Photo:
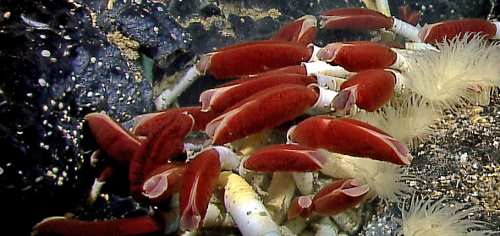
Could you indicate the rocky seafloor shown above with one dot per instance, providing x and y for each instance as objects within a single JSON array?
[{"x": 64, "y": 58}]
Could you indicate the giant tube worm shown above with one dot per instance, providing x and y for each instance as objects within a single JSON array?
[
  {"x": 115, "y": 141},
  {"x": 199, "y": 181},
  {"x": 350, "y": 137}
]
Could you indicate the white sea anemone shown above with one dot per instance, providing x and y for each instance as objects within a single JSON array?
[
  {"x": 386, "y": 180},
  {"x": 448, "y": 77},
  {"x": 408, "y": 120},
  {"x": 425, "y": 218}
]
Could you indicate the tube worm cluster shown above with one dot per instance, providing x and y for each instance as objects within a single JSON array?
[{"x": 288, "y": 83}]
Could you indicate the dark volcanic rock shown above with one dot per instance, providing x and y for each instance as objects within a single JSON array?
[
  {"x": 151, "y": 25},
  {"x": 210, "y": 10},
  {"x": 57, "y": 67}
]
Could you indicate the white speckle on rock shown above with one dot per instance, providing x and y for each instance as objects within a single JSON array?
[
  {"x": 45, "y": 53},
  {"x": 42, "y": 82}
]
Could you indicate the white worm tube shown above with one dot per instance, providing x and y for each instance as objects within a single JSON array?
[
  {"x": 304, "y": 182},
  {"x": 400, "y": 80},
  {"x": 323, "y": 104},
  {"x": 329, "y": 82},
  {"x": 401, "y": 62},
  {"x": 289, "y": 134},
  {"x": 214, "y": 216},
  {"x": 94, "y": 158},
  {"x": 406, "y": 30},
  {"x": 314, "y": 55},
  {"x": 95, "y": 190},
  {"x": 416, "y": 46},
  {"x": 316, "y": 67},
  {"x": 336, "y": 166},
  {"x": 168, "y": 96},
  {"x": 281, "y": 191},
  {"x": 497, "y": 24},
  {"x": 228, "y": 159},
  {"x": 243, "y": 204}
]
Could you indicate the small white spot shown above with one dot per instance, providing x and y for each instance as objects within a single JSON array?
[
  {"x": 42, "y": 36},
  {"x": 6, "y": 15},
  {"x": 60, "y": 105},
  {"x": 463, "y": 157},
  {"x": 42, "y": 82},
  {"x": 93, "y": 59},
  {"x": 1, "y": 170},
  {"x": 45, "y": 108},
  {"x": 29, "y": 95},
  {"x": 45, "y": 53},
  {"x": 155, "y": 29},
  {"x": 90, "y": 94}
]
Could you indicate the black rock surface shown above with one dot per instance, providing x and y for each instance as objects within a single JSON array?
[{"x": 57, "y": 66}]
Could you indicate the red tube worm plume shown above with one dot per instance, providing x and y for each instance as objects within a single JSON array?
[
  {"x": 167, "y": 142},
  {"x": 302, "y": 31},
  {"x": 116, "y": 142},
  {"x": 300, "y": 206},
  {"x": 350, "y": 137},
  {"x": 408, "y": 15},
  {"x": 295, "y": 69},
  {"x": 357, "y": 56},
  {"x": 285, "y": 157},
  {"x": 149, "y": 123},
  {"x": 366, "y": 19},
  {"x": 368, "y": 90},
  {"x": 447, "y": 30},
  {"x": 338, "y": 196},
  {"x": 199, "y": 180},
  {"x": 423, "y": 217},
  {"x": 354, "y": 19},
  {"x": 274, "y": 106},
  {"x": 119, "y": 227},
  {"x": 220, "y": 99},
  {"x": 163, "y": 182},
  {"x": 252, "y": 58}
]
